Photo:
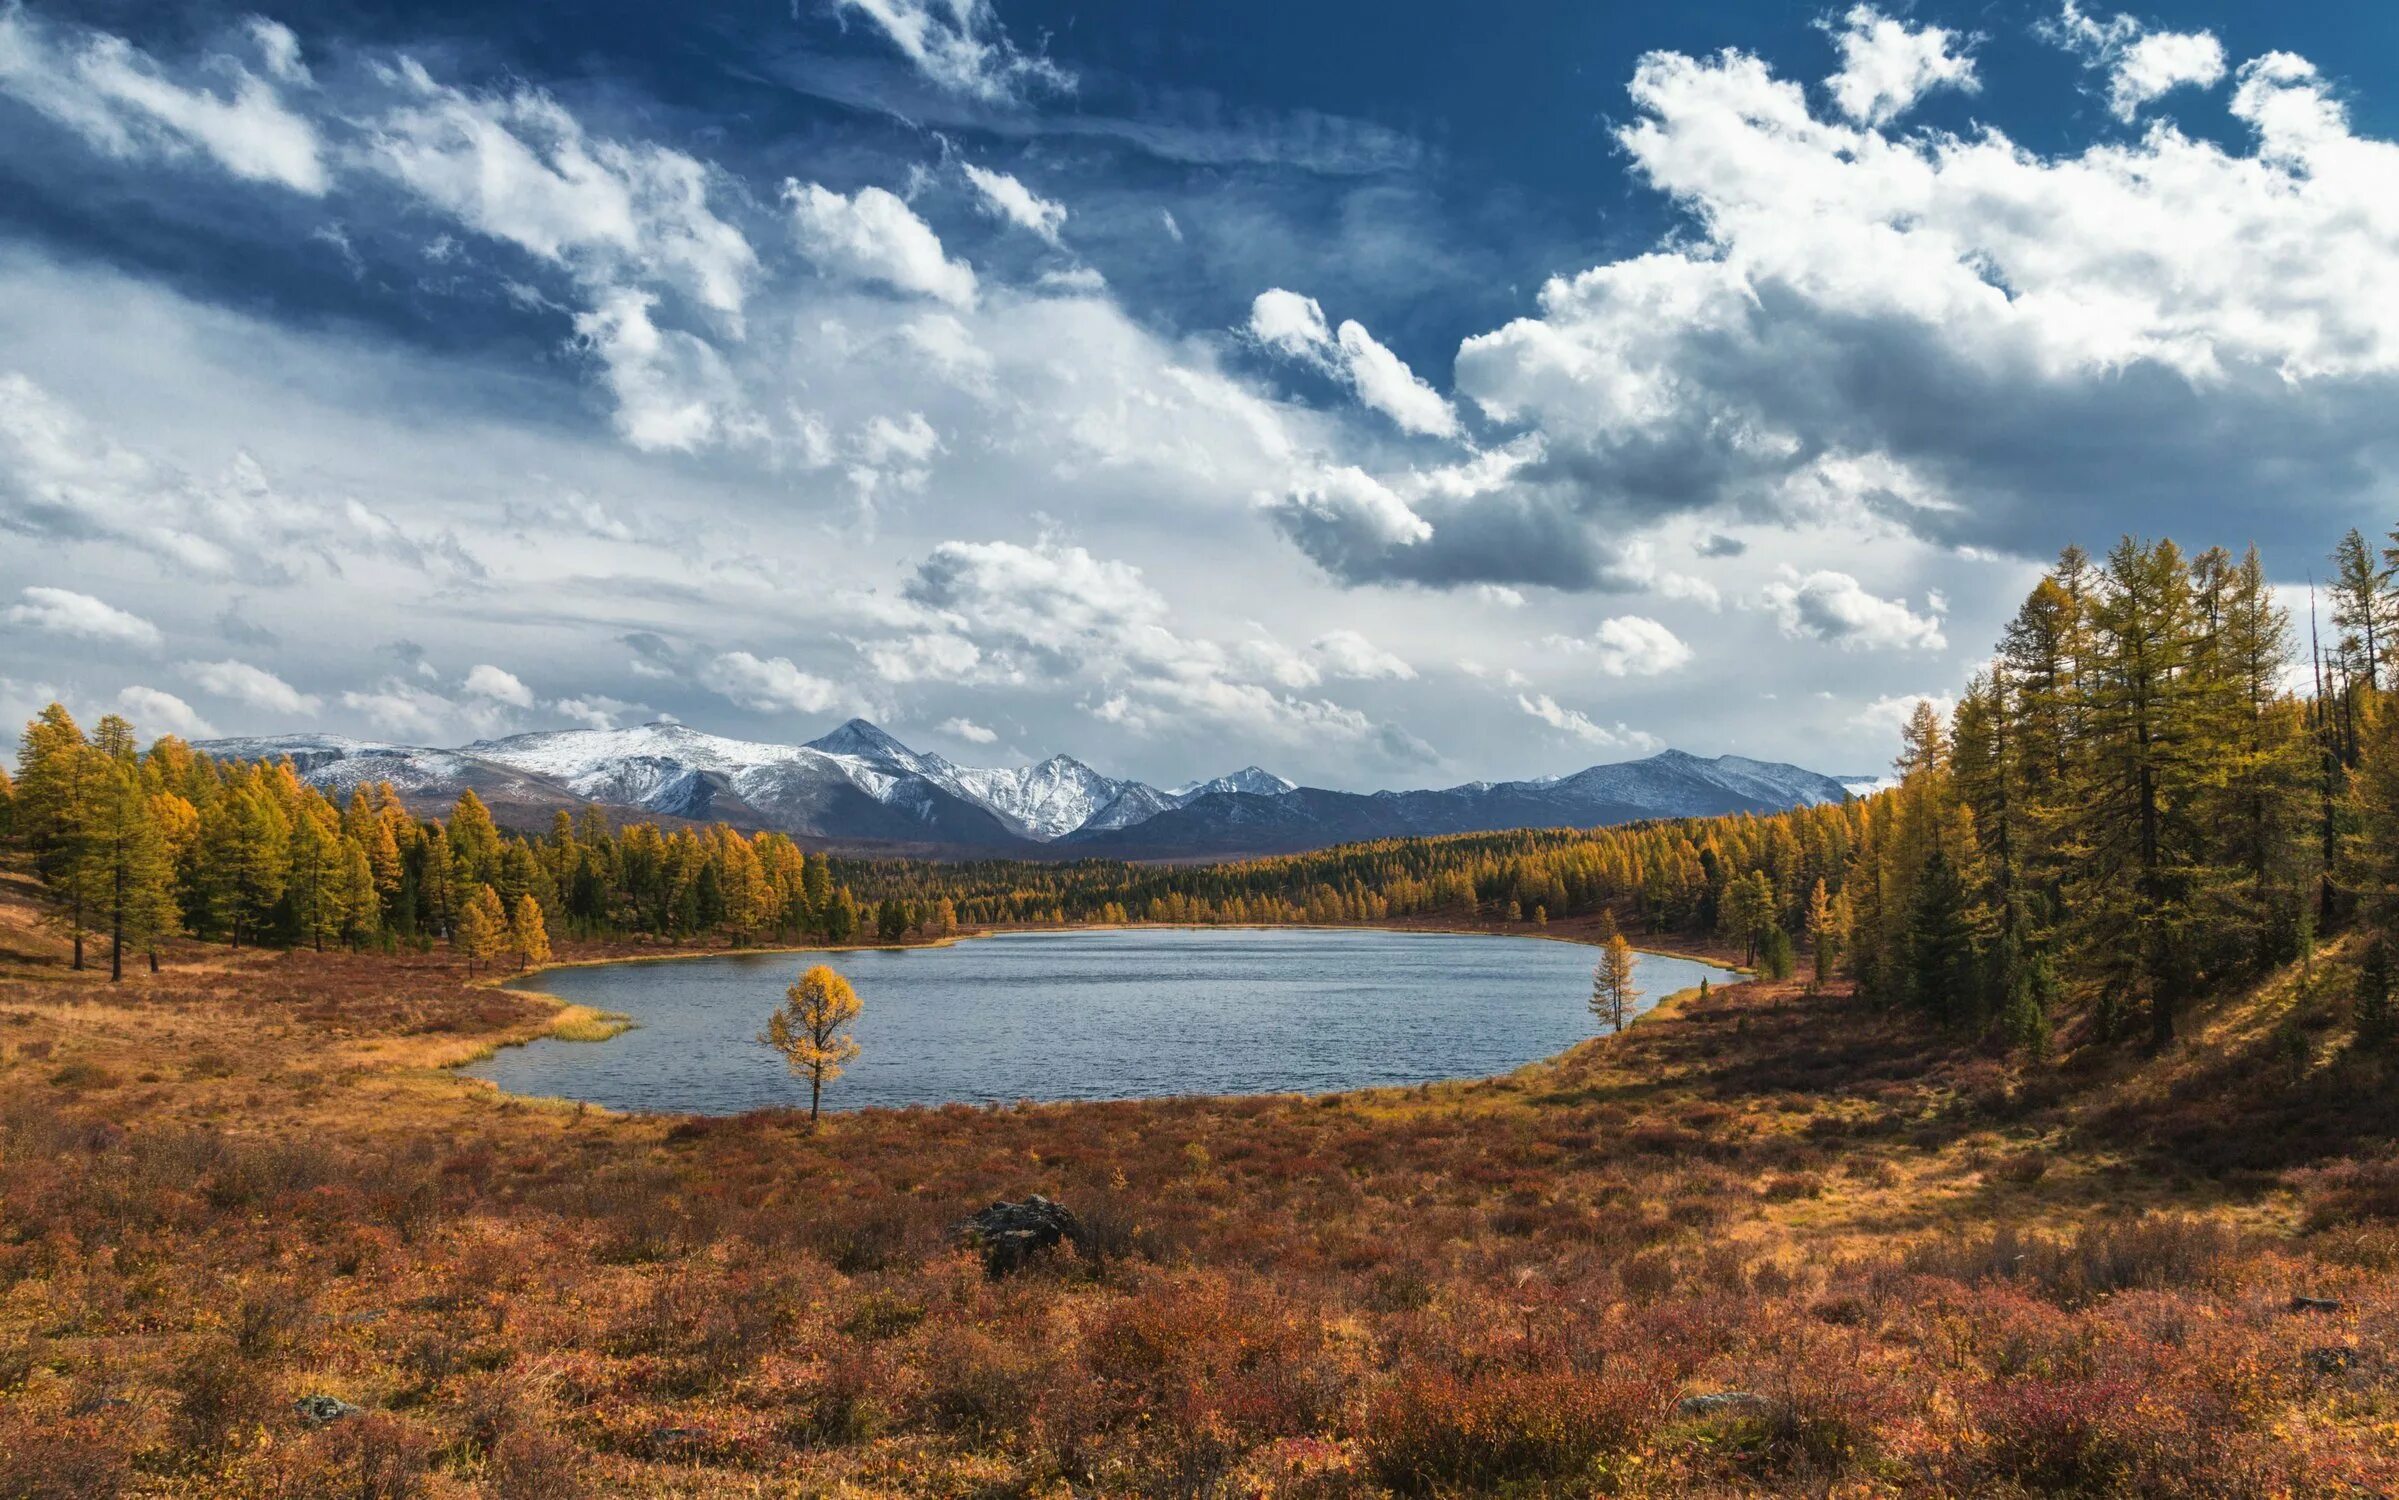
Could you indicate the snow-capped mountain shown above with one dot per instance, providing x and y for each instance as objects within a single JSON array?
[{"x": 860, "y": 787}]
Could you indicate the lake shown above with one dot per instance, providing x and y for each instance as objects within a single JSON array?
[{"x": 1112, "y": 1014}]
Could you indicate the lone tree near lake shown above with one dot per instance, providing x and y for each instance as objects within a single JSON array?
[
  {"x": 810, "y": 1030},
  {"x": 1612, "y": 992}
]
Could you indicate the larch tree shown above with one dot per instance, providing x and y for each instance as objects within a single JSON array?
[
  {"x": 481, "y": 932},
  {"x": 61, "y": 780},
  {"x": 2361, "y": 608},
  {"x": 1612, "y": 991},
  {"x": 528, "y": 937},
  {"x": 318, "y": 883},
  {"x": 1824, "y": 933},
  {"x": 2134, "y": 901},
  {"x": 129, "y": 869},
  {"x": 811, "y": 1030}
]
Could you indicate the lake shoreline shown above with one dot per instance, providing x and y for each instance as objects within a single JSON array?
[{"x": 1727, "y": 975}]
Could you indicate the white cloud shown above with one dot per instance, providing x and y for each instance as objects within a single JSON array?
[
  {"x": 1573, "y": 722},
  {"x": 65, "y": 612},
  {"x": 1385, "y": 383},
  {"x": 1890, "y": 714},
  {"x": 2143, "y": 65},
  {"x": 122, "y": 101},
  {"x": 403, "y": 708},
  {"x": 1289, "y": 323},
  {"x": 64, "y": 480},
  {"x": 1346, "y": 653},
  {"x": 768, "y": 685},
  {"x": 1834, "y": 607},
  {"x": 499, "y": 685},
  {"x": 2162, "y": 331},
  {"x": 673, "y": 390},
  {"x": 960, "y": 45},
  {"x": 1294, "y": 326},
  {"x": 156, "y": 711},
  {"x": 969, "y": 731},
  {"x": 1887, "y": 65},
  {"x": 255, "y": 686},
  {"x": 520, "y": 167},
  {"x": 873, "y": 236},
  {"x": 595, "y": 710},
  {"x": 1629, "y": 646},
  {"x": 1055, "y": 612},
  {"x": 1011, "y": 200},
  {"x": 1344, "y": 514}
]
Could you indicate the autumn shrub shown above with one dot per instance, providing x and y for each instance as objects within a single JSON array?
[
  {"x": 371, "y": 1457},
  {"x": 45, "y": 1456},
  {"x": 980, "y": 1387},
  {"x": 2351, "y": 1192},
  {"x": 2113, "y": 1435},
  {"x": 2155, "y": 1251},
  {"x": 533, "y": 1463},
  {"x": 1430, "y": 1429},
  {"x": 220, "y": 1399}
]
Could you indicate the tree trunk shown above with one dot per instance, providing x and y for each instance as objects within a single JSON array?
[{"x": 816, "y": 1088}]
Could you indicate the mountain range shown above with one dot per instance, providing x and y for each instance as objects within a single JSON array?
[{"x": 859, "y": 788}]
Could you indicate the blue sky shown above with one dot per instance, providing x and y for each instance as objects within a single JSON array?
[{"x": 1390, "y": 395}]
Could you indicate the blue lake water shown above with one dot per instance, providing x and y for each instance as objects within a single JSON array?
[{"x": 1118, "y": 1014}]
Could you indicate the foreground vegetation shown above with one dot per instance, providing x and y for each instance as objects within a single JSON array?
[{"x": 1897, "y": 1265}]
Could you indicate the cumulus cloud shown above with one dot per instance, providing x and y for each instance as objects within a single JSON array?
[
  {"x": 872, "y": 236},
  {"x": 65, "y": 612},
  {"x": 1289, "y": 323},
  {"x": 1056, "y": 612},
  {"x": 2165, "y": 330},
  {"x": 2143, "y": 65},
  {"x": 520, "y": 167},
  {"x": 158, "y": 711},
  {"x": 498, "y": 685},
  {"x": 1887, "y": 65},
  {"x": 673, "y": 390},
  {"x": 1011, "y": 200},
  {"x": 961, "y": 46},
  {"x": 1889, "y": 714},
  {"x": 969, "y": 731},
  {"x": 1579, "y": 725},
  {"x": 1347, "y": 520},
  {"x": 1294, "y": 326},
  {"x": 65, "y": 481},
  {"x": 403, "y": 708},
  {"x": 768, "y": 684},
  {"x": 595, "y": 710},
  {"x": 1346, "y": 653},
  {"x": 1628, "y": 646},
  {"x": 1834, "y": 607},
  {"x": 255, "y": 686},
  {"x": 126, "y": 103}
]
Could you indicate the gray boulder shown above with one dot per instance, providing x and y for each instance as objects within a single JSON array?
[
  {"x": 319, "y": 1410},
  {"x": 1010, "y": 1234}
]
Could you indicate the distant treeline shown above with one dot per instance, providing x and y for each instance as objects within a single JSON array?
[{"x": 2130, "y": 805}]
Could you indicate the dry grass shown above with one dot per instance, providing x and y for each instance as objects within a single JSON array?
[{"x": 1932, "y": 1271}]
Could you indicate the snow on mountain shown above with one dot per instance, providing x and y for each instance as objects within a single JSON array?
[
  {"x": 1248, "y": 779},
  {"x": 860, "y": 785}
]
